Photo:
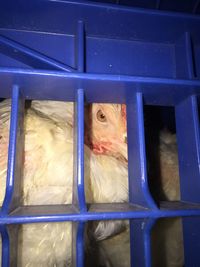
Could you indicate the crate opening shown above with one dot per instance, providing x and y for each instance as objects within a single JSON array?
[
  {"x": 167, "y": 243},
  {"x": 162, "y": 154},
  {"x": 106, "y": 158},
  {"x": 48, "y": 149},
  {"x": 48, "y": 166}
]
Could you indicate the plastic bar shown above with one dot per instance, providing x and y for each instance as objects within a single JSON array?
[
  {"x": 138, "y": 184},
  {"x": 196, "y": 5},
  {"x": 189, "y": 56},
  {"x": 78, "y": 244},
  {"x": 140, "y": 238},
  {"x": 5, "y": 253},
  {"x": 80, "y": 47},
  {"x": 9, "y": 236},
  {"x": 79, "y": 194},
  {"x": 158, "y": 4},
  {"x": 26, "y": 215},
  {"x": 187, "y": 121},
  {"x": 97, "y": 87},
  {"x": 30, "y": 57},
  {"x": 80, "y": 148},
  {"x": 15, "y": 153}
]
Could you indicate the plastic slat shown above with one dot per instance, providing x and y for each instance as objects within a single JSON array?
[
  {"x": 185, "y": 65},
  {"x": 79, "y": 194},
  {"x": 78, "y": 244},
  {"x": 30, "y": 57},
  {"x": 15, "y": 153},
  {"x": 80, "y": 46},
  {"x": 188, "y": 137},
  {"x": 138, "y": 185},
  {"x": 5, "y": 253},
  {"x": 140, "y": 239},
  {"x": 97, "y": 87}
]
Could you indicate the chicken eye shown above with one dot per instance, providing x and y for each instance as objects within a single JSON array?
[{"x": 101, "y": 117}]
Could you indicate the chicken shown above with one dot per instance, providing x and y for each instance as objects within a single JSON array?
[
  {"x": 102, "y": 135},
  {"x": 49, "y": 144},
  {"x": 167, "y": 238},
  {"x": 167, "y": 233}
]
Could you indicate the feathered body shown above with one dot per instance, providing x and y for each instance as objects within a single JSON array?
[{"x": 48, "y": 178}]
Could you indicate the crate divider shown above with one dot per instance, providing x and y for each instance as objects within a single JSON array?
[
  {"x": 80, "y": 46},
  {"x": 138, "y": 185},
  {"x": 140, "y": 234},
  {"x": 78, "y": 244},
  {"x": 188, "y": 138},
  {"x": 31, "y": 57},
  {"x": 15, "y": 153}
]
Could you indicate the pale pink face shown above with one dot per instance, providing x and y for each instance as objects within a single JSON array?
[{"x": 106, "y": 129}]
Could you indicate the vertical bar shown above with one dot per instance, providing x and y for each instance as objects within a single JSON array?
[
  {"x": 14, "y": 174},
  {"x": 9, "y": 236},
  {"x": 158, "y": 4},
  {"x": 78, "y": 183},
  {"x": 80, "y": 150},
  {"x": 187, "y": 124},
  {"x": 5, "y": 253},
  {"x": 15, "y": 153},
  {"x": 196, "y": 5},
  {"x": 78, "y": 244},
  {"x": 189, "y": 56},
  {"x": 185, "y": 65},
  {"x": 80, "y": 50},
  {"x": 138, "y": 184},
  {"x": 140, "y": 238}
]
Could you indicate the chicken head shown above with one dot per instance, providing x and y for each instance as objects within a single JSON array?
[{"x": 105, "y": 131}]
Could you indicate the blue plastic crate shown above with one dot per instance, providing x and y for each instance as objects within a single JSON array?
[{"x": 83, "y": 51}]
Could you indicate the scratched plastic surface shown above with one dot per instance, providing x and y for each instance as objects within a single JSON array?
[{"x": 91, "y": 52}]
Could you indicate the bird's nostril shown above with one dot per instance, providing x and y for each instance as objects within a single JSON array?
[{"x": 125, "y": 139}]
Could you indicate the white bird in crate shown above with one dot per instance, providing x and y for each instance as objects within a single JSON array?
[
  {"x": 48, "y": 173},
  {"x": 48, "y": 180}
]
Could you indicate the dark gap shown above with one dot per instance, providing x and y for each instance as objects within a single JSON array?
[{"x": 161, "y": 151}]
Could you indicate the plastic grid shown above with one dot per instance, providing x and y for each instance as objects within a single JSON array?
[{"x": 75, "y": 85}]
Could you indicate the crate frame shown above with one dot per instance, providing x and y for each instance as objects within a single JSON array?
[{"x": 53, "y": 80}]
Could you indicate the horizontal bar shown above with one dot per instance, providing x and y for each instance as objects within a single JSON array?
[
  {"x": 168, "y": 209},
  {"x": 97, "y": 88},
  {"x": 29, "y": 56}
]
